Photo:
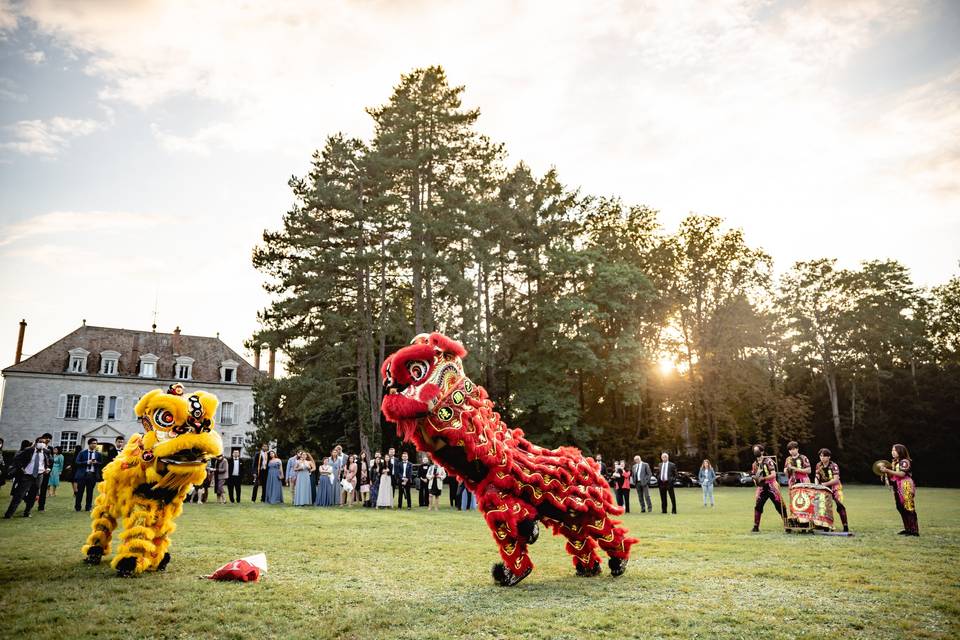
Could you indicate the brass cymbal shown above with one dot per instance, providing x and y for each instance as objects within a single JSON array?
[{"x": 881, "y": 464}]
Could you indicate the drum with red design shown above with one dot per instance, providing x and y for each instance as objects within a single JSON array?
[{"x": 812, "y": 505}]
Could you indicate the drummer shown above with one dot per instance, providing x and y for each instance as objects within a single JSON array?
[
  {"x": 796, "y": 466},
  {"x": 765, "y": 476},
  {"x": 904, "y": 490},
  {"x": 828, "y": 474}
]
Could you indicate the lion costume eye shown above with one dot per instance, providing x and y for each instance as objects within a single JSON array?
[
  {"x": 163, "y": 418},
  {"x": 418, "y": 369}
]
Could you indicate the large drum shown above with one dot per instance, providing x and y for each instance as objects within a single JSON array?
[{"x": 812, "y": 505}]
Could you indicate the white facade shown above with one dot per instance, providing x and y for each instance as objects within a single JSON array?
[{"x": 75, "y": 407}]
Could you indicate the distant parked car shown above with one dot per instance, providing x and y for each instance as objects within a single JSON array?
[
  {"x": 734, "y": 479},
  {"x": 686, "y": 479}
]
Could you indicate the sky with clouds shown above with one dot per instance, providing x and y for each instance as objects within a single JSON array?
[{"x": 145, "y": 145}]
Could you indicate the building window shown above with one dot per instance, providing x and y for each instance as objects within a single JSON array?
[
  {"x": 236, "y": 441},
  {"x": 68, "y": 440},
  {"x": 184, "y": 368},
  {"x": 227, "y": 414},
  {"x": 101, "y": 402},
  {"x": 228, "y": 371},
  {"x": 112, "y": 408},
  {"x": 109, "y": 362},
  {"x": 148, "y": 366},
  {"x": 73, "y": 407},
  {"x": 78, "y": 360}
]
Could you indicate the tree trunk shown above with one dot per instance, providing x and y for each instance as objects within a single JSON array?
[{"x": 831, "y": 379}]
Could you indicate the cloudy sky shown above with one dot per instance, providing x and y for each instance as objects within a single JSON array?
[{"x": 145, "y": 145}]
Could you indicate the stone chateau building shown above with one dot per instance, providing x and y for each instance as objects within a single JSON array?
[{"x": 88, "y": 382}]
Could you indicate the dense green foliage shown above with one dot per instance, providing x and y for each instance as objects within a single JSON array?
[
  {"x": 587, "y": 321},
  {"x": 360, "y": 574}
]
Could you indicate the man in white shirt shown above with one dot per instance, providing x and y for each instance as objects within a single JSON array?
[
  {"x": 31, "y": 464},
  {"x": 260, "y": 473},
  {"x": 666, "y": 474},
  {"x": 233, "y": 476}
]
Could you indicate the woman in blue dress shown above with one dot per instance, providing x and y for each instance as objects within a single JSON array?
[
  {"x": 303, "y": 492},
  {"x": 337, "y": 461},
  {"x": 274, "y": 479},
  {"x": 55, "y": 470},
  {"x": 324, "y": 486}
]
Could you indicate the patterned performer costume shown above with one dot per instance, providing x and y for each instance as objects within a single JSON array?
[
  {"x": 767, "y": 489},
  {"x": 904, "y": 493},
  {"x": 438, "y": 409},
  {"x": 827, "y": 473},
  {"x": 791, "y": 467},
  {"x": 146, "y": 483}
]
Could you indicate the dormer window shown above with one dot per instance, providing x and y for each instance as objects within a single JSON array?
[
  {"x": 148, "y": 365},
  {"x": 183, "y": 370},
  {"x": 78, "y": 360},
  {"x": 109, "y": 361},
  {"x": 228, "y": 371}
]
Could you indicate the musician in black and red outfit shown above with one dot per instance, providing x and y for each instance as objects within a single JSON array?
[
  {"x": 904, "y": 489},
  {"x": 828, "y": 474},
  {"x": 765, "y": 477},
  {"x": 796, "y": 466}
]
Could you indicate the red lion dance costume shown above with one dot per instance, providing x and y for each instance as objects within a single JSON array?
[{"x": 438, "y": 409}]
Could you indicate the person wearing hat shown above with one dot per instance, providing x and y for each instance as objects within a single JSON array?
[
  {"x": 828, "y": 474},
  {"x": 796, "y": 466},
  {"x": 765, "y": 476}
]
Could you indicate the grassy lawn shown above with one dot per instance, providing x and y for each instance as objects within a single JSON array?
[{"x": 340, "y": 573}]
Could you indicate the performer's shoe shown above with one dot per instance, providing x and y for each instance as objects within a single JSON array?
[
  {"x": 617, "y": 566},
  {"x": 588, "y": 572},
  {"x": 530, "y": 530},
  {"x": 846, "y": 529},
  {"x": 94, "y": 555},
  {"x": 903, "y": 532},
  {"x": 126, "y": 567},
  {"x": 506, "y": 578},
  {"x": 755, "y": 529},
  {"x": 164, "y": 562}
]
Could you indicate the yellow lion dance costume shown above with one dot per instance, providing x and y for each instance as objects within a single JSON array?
[{"x": 146, "y": 483}]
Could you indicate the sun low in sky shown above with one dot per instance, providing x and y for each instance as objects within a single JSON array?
[{"x": 144, "y": 146}]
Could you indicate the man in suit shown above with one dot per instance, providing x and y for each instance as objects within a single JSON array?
[
  {"x": 404, "y": 479},
  {"x": 603, "y": 467},
  {"x": 640, "y": 477},
  {"x": 87, "y": 472},
  {"x": 111, "y": 454},
  {"x": 260, "y": 473},
  {"x": 666, "y": 474},
  {"x": 234, "y": 465},
  {"x": 422, "y": 470},
  {"x": 30, "y": 464},
  {"x": 48, "y": 467}
]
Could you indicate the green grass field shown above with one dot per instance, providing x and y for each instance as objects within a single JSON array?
[{"x": 357, "y": 573}]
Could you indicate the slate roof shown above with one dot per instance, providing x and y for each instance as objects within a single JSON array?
[{"x": 208, "y": 354}]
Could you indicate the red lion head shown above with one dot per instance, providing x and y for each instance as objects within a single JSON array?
[{"x": 416, "y": 377}]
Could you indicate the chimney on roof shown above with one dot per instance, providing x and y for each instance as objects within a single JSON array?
[
  {"x": 272, "y": 366},
  {"x": 176, "y": 341},
  {"x": 23, "y": 329},
  {"x": 135, "y": 361}
]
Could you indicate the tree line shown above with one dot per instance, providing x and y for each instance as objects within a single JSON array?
[{"x": 587, "y": 321}]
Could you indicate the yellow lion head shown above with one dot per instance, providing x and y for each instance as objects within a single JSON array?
[{"x": 179, "y": 437}]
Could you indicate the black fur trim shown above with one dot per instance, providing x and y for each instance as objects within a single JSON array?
[
  {"x": 584, "y": 571},
  {"x": 94, "y": 555},
  {"x": 530, "y": 530},
  {"x": 163, "y": 563},
  {"x": 147, "y": 491},
  {"x": 126, "y": 567},
  {"x": 499, "y": 572},
  {"x": 617, "y": 566}
]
